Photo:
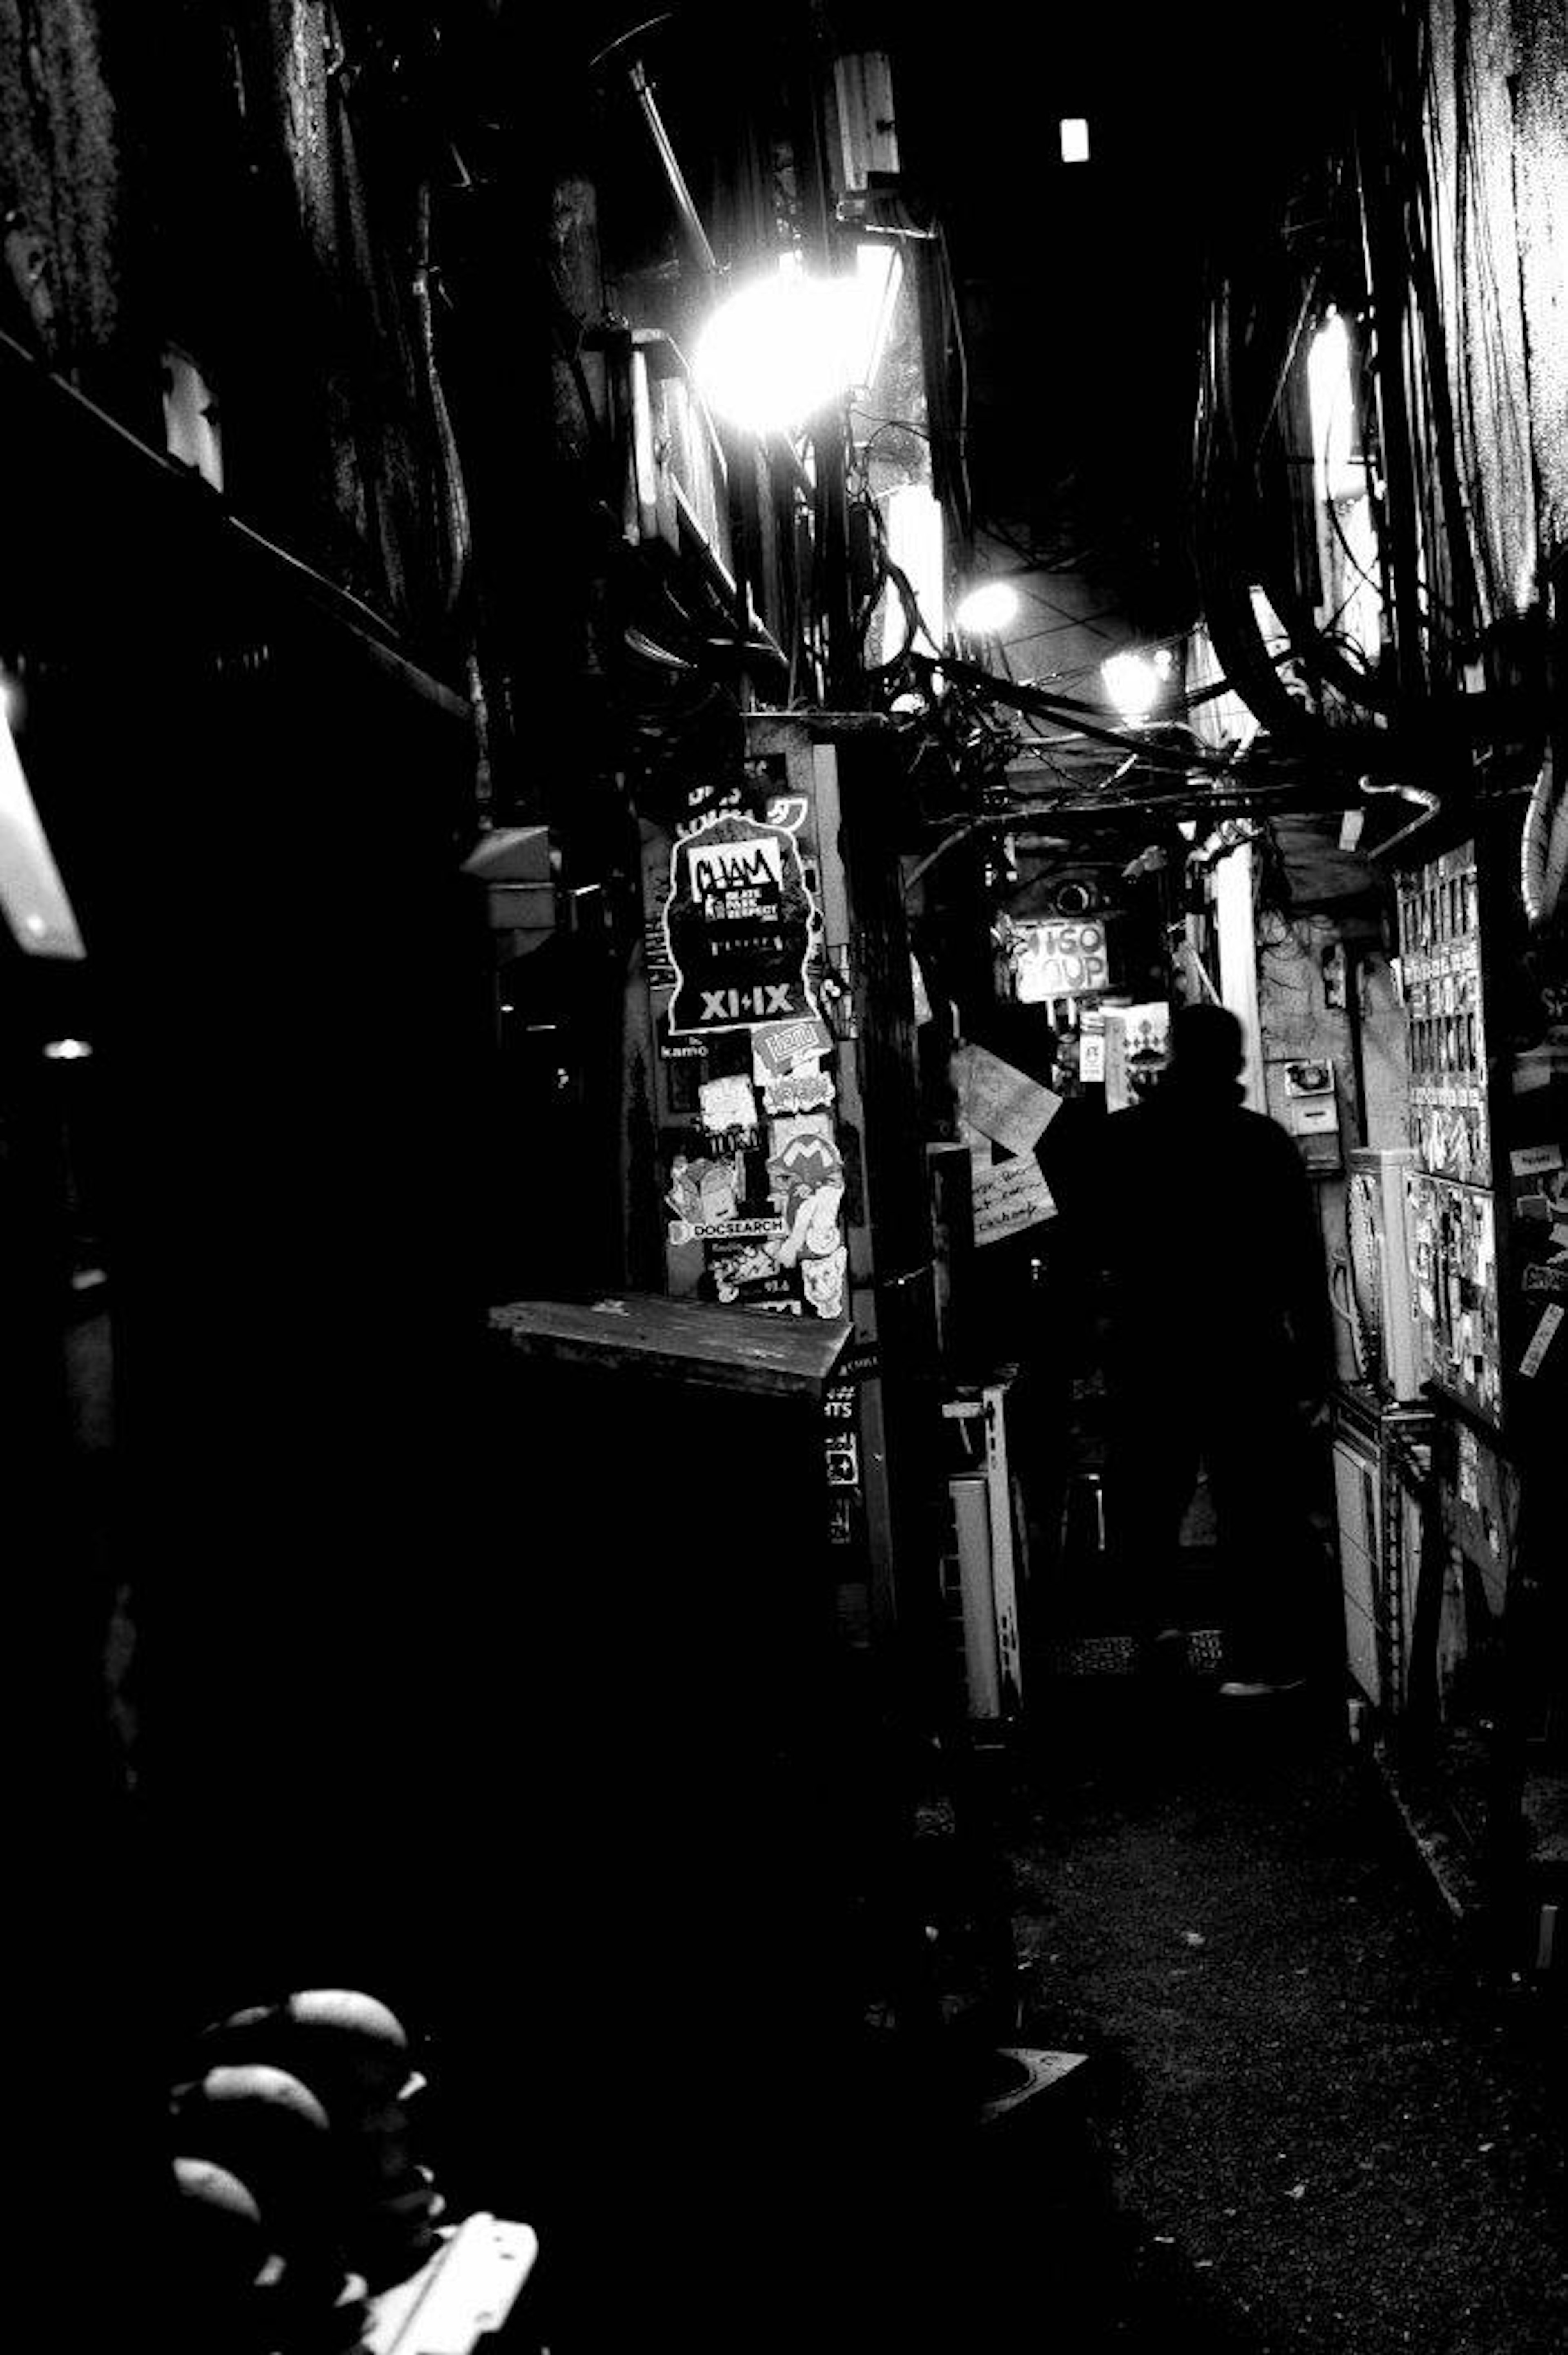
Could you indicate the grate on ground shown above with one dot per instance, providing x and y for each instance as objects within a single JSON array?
[{"x": 1116, "y": 1656}]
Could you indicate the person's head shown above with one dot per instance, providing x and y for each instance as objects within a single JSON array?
[{"x": 1206, "y": 1048}]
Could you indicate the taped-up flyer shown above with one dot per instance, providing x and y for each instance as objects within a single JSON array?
[
  {"x": 1000, "y": 1101},
  {"x": 1137, "y": 1048},
  {"x": 737, "y": 926}
]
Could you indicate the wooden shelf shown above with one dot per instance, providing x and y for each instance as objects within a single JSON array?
[{"x": 695, "y": 1342}]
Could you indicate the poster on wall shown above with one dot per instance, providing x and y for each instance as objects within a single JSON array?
[
  {"x": 738, "y": 925},
  {"x": 1453, "y": 1263},
  {"x": 1137, "y": 1048},
  {"x": 806, "y": 1173},
  {"x": 1440, "y": 982}
]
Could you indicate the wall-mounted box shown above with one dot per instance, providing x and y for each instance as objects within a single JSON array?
[{"x": 1378, "y": 1239}]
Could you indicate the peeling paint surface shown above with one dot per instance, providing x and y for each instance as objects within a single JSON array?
[
  {"x": 236, "y": 181},
  {"x": 60, "y": 175},
  {"x": 1540, "y": 195},
  {"x": 1498, "y": 118}
]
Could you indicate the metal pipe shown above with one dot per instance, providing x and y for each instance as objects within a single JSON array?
[{"x": 691, "y": 219}]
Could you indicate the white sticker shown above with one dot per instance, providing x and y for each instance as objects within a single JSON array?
[
  {"x": 727, "y": 1103},
  {"x": 781, "y": 1047},
  {"x": 1550, "y": 1318},
  {"x": 1092, "y": 1057},
  {"x": 823, "y": 1279},
  {"x": 1526, "y": 1159},
  {"x": 799, "y": 1091}
]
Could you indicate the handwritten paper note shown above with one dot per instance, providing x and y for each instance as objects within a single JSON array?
[{"x": 1009, "y": 1198}]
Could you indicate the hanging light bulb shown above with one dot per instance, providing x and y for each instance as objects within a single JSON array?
[{"x": 788, "y": 345}]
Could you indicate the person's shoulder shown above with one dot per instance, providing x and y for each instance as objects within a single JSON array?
[
  {"x": 1268, "y": 1139},
  {"x": 1258, "y": 1123},
  {"x": 1128, "y": 1129}
]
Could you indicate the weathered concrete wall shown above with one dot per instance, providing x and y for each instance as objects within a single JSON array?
[
  {"x": 1385, "y": 1051},
  {"x": 1498, "y": 102},
  {"x": 254, "y": 183},
  {"x": 1541, "y": 198},
  {"x": 63, "y": 196}
]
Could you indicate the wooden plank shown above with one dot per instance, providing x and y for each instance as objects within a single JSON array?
[{"x": 694, "y": 1341}]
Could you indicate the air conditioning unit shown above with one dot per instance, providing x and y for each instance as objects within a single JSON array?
[{"x": 1357, "y": 1497}]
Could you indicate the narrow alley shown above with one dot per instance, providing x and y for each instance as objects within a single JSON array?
[{"x": 784, "y": 1175}]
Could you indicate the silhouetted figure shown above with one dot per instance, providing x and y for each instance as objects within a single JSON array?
[{"x": 1218, "y": 1346}]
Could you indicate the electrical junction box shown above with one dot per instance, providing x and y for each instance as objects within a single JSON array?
[
  {"x": 514, "y": 864},
  {"x": 1312, "y": 1108}
]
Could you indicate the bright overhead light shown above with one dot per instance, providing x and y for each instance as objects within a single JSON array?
[
  {"x": 1133, "y": 683},
  {"x": 1075, "y": 139},
  {"x": 33, "y": 896},
  {"x": 788, "y": 346},
  {"x": 986, "y": 608},
  {"x": 1332, "y": 397}
]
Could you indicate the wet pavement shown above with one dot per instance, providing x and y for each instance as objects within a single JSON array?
[{"x": 1322, "y": 2118}]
